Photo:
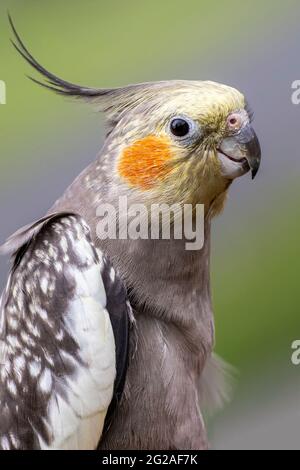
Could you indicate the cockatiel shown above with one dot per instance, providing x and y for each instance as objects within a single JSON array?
[{"x": 105, "y": 343}]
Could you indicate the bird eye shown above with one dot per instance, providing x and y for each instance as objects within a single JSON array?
[{"x": 180, "y": 127}]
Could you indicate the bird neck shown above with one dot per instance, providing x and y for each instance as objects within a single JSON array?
[{"x": 165, "y": 280}]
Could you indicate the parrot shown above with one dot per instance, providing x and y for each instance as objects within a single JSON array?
[{"x": 107, "y": 343}]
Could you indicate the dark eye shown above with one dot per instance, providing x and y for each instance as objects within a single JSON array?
[{"x": 180, "y": 127}]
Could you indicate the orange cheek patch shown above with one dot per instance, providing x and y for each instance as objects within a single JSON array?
[{"x": 145, "y": 162}]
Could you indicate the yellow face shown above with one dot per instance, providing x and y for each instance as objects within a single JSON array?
[{"x": 185, "y": 141}]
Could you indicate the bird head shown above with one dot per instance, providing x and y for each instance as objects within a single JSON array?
[
  {"x": 182, "y": 141},
  {"x": 173, "y": 141}
]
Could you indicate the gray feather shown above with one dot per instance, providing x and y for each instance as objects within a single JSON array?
[
  {"x": 26, "y": 234},
  {"x": 216, "y": 384}
]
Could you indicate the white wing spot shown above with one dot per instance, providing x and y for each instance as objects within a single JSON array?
[
  {"x": 26, "y": 338},
  {"x": 59, "y": 335},
  {"x": 13, "y": 341},
  {"x": 39, "y": 254},
  {"x": 112, "y": 274},
  {"x": 12, "y": 387},
  {"x": 5, "y": 443},
  {"x": 52, "y": 252},
  {"x": 15, "y": 442},
  {"x": 64, "y": 244},
  {"x": 49, "y": 359},
  {"x": 32, "y": 328},
  {"x": 45, "y": 382},
  {"x": 42, "y": 313},
  {"x": 58, "y": 266},
  {"x": 26, "y": 352},
  {"x": 13, "y": 323},
  {"x": 19, "y": 363},
  {"x": 34, "y": 368},
  {"x": 44, "y": 285}
]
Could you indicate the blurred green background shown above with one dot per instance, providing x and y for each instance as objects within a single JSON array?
[{"x": 46, "y": 140}]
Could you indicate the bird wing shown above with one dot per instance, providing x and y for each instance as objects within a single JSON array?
[{"x": 64, "y": 322}]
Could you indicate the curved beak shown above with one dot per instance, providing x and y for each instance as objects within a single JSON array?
[{"x": 243, "y": 146}]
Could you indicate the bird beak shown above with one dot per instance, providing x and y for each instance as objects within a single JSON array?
[{"x": 243, "y": 146}]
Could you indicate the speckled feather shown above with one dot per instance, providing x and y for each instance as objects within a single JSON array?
[{"x": 58, "y": 361}]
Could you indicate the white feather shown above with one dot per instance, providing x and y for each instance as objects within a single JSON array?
[{"x": 77, "y": 419}]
